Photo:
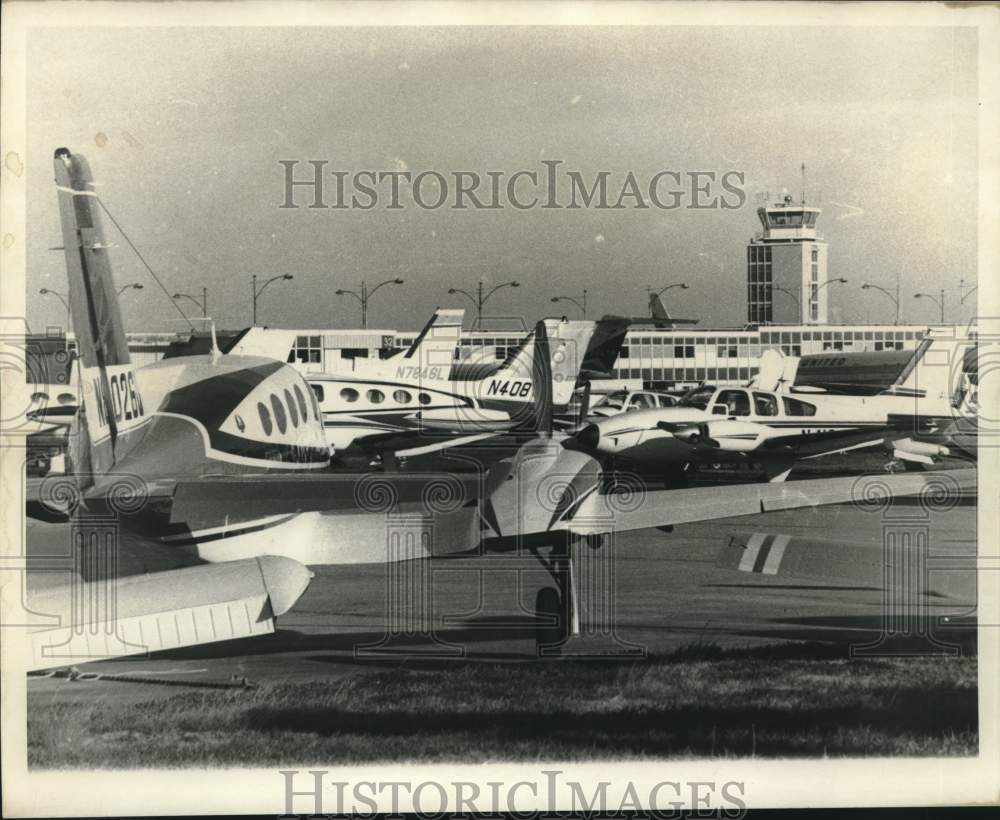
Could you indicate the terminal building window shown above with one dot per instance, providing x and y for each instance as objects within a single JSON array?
[{"x": 306, "y": 350}]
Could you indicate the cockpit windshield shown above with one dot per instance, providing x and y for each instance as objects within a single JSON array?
[
  {"x": 698, "y": 398},
  {"x": 615, "y": 400}
]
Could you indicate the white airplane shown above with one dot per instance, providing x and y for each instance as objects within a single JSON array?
[
  {"x": 210, "y": 474},
  {"x": 404, "y": 404},
  {"x": 775, "y": 427}
]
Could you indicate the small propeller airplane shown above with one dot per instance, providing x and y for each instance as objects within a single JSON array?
[
  {"x": 774, "y": 426},
  {"x": 213, "y": 471}
]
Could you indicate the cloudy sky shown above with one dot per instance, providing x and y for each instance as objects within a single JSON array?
[{"x": 185, "y": 128}]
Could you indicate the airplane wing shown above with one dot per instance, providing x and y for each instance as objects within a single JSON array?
[
  {"x": 91, "y": 621},
  {"x": 599, "y": 513}
]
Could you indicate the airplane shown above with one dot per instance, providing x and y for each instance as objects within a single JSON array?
[
  {"x": 396, "y": 404},
  {"x": 771, "y": 427},
  {"x": 661, "y": 319},
  {"x": 206, "y": 469}
]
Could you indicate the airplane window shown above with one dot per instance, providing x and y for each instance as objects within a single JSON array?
[
  {"x": 279, "y": 414},
  {"x": 698, "y": 398},
  {"x": 794, "y": 407},
  {"x": 318, "y": 391},
  {"x": 376, "y": 396},
  {"x": 349, "y": 394},
  {"x": 402, "y": 397},
  {"x": 265, "y": 418},
  {"x": 642, "y": 401},
  {"x": 67, "y": 398},
  {"x": 765, "y": 404},
  {"x": 293, "y": 411},
  {"x": 39, "y": 396},
  {"x": 736, "y": 400},
  {"x": 240, "y": 424},
  {"x": 302, "y": 403},
  {"x": 424, "y": 398}
]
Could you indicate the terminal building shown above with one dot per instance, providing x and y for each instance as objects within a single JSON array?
[{"x": 787, "y": 308}]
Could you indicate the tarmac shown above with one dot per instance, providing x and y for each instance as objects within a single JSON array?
[{"x": 649, "y": 593}]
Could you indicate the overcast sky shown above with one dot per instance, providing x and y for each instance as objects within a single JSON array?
[{"x": 184, "y": 129}]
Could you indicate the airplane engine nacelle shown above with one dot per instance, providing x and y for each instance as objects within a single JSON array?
[
  {"x": 726, "y": 435},
  {"x": 923, "y": 452},
  {"x": 531, "y": 493}
]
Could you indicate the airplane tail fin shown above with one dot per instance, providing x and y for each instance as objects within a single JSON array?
[
  {"x": 112, "y": 405},
  {"x": 933, "y": 377},
  {"x": 659, "y": 313},
  {"x": 776, "y": 372},
  {"x": 433, "y": 351}
]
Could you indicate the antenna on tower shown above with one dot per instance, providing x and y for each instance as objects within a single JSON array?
[{"x": 803, "y": 183}]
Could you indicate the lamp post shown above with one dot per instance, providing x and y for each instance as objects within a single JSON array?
[
  {"x": 480, "y": 299},
  {"x": 203, "y": 304},
  {"x": 798, "y": 304},
  {"x": 61, "y": 298},
  {"x": 583, "y": 306},
  {"x": 968, "y": 293},
  {"x": 256, "y": 292},
  {"x": 895, "y": 299},
  {"x": 681, "y": 285},
  {"x": 366, "y": 294},
  {"x": 938, "y": 301},
  {"x": 839, "y": 279},
  {"x": 133, "y": 286}
]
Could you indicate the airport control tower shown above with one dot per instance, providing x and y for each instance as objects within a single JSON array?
[{"x": 786, "y": 267}]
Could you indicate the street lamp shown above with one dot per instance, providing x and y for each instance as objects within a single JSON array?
[
  {"x": 681, "y": 285},
  {"x": 258, "y": 291},
  {"x": 839, "y": 279},
  {"x": 969, "y": 293},
  {"x": 895, "y": 299},
  {"x": 365, "y": 295},
  {"x": 61, "y": 298},
  {"x": 798, "y": 305},
  {"x": 203, "y": 304},
  {"x": 133, "y": 286},
  {"x": 938, "y": 301},
  {"x": 480, "y": 299},
  {"x": 583, "y": 307}
]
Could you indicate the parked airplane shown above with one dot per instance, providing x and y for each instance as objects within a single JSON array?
[
  {"x": 396, "y": 405},
  {"x": 219, "y": 458},
  {"x": 772, "y": 427}
]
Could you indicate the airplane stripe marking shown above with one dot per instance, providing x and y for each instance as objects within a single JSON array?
[
  {"x": 777, "y": 552},
  {"x": 765, "y": 549},
  {"x": 750, "y": 552}
]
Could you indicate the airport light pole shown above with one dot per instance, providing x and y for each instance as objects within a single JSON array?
[
  {"x": 133, "y": 286},
  {"x": 839, "y": 279},
  {"x": 681, "y": 285},
  {"x": 937, "y": 301},
  {"x": 583, "y": 307},
  {"x": 798, "y": 304},
  {"x": 968, "y": 294},
  {"x": 258, "y": 291},
  {"x": 203, "y": 304},
  {"x": 61, "y": 298},
  {"x": 895, "y": 299},
  {"x": 366, "y": 294},
  {"x": 480, "y": 298}
]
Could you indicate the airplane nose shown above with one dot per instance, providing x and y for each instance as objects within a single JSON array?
[{"x": 589, "y": 437}]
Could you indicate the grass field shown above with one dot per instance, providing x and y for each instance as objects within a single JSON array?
[{"x": 783, "y": 701}]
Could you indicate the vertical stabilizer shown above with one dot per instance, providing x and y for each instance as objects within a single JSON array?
[
  {"x": 112, "y": 405},
  {"x": 659, "y": 313}
]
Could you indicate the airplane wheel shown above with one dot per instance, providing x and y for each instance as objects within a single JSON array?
[{"x": 548, "y": 610}]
